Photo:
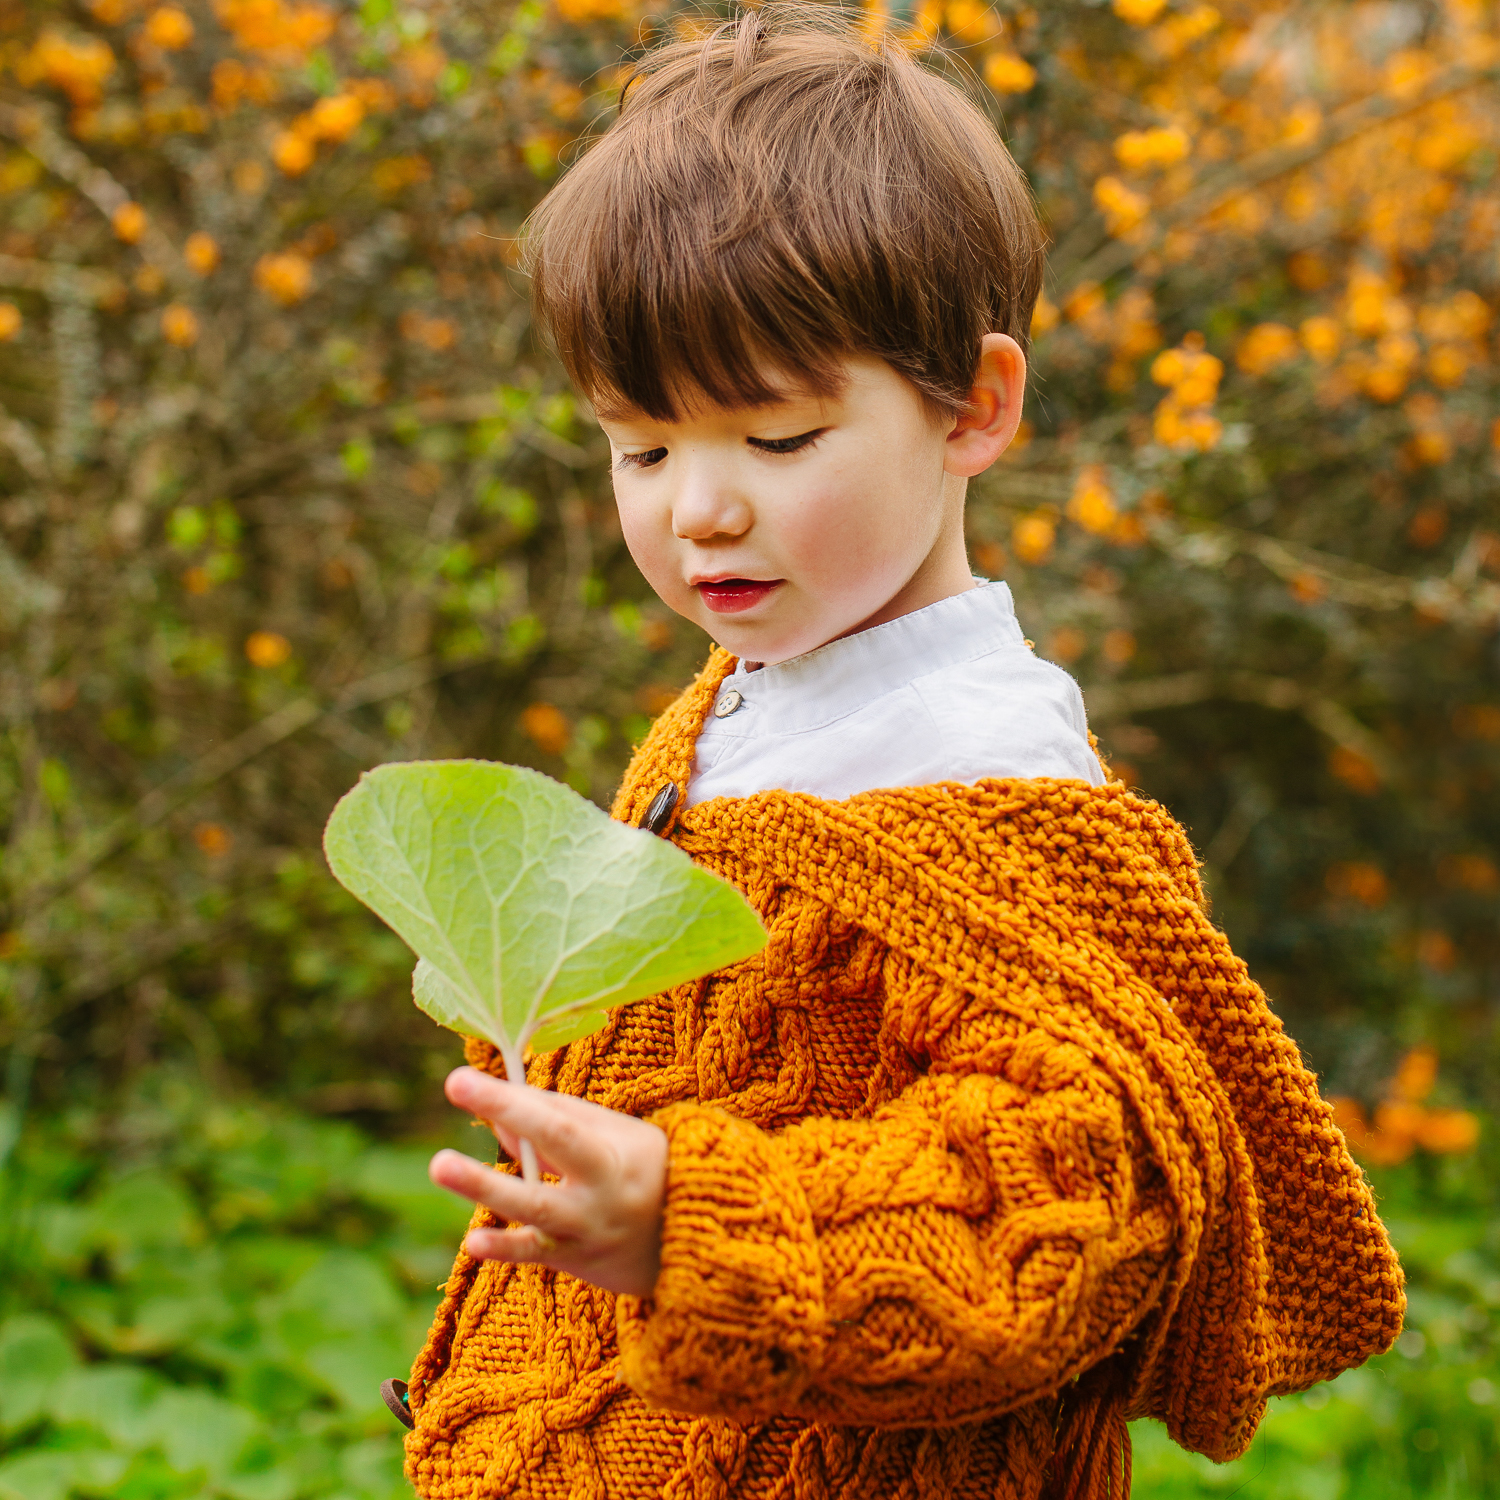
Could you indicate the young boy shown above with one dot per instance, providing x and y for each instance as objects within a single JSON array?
[{"x": 995, "y": 1146}]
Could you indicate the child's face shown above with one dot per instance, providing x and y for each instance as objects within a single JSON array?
[{"x": 778, "y": 528}]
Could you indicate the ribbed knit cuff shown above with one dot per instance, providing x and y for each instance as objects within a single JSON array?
[{"x": 736, "y": 1326}]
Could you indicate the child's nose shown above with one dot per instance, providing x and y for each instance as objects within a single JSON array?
[{"x": 706, "y": 506}]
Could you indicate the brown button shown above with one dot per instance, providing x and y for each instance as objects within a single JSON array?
[
  {"x": 728, "y": 703},
  {"x": 393, "y": 1393},
  {"x": 659, "y": 814}
]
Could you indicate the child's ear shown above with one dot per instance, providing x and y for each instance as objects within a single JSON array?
[{"x": 984, "y": 432}]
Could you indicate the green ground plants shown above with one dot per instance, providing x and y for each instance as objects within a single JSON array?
[
  {"x": 1421, "y": 1423},
  {"x": 200, "y": 1298}
]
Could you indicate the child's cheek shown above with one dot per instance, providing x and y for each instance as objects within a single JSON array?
[
  {"x": 647, "y": 530},
  {"x": 833, "y": 540}
]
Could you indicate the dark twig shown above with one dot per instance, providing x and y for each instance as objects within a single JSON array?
[{"x": 161, "y": 802}]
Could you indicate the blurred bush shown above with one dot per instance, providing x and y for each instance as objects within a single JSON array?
[
  {"x": 289, "y": 489},
  {"x": 287, "y": 492}
]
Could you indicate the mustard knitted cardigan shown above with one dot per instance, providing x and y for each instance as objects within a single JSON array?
[{"x": 994, "y": 1147}]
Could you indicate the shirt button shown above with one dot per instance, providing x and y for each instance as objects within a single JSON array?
[{"x": 727, "y": 704}]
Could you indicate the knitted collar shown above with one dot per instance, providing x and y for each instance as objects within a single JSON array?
[{"x": 1284, "y": 1275}]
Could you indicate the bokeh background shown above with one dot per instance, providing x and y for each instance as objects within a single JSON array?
[{"x": 288, "y": 488}]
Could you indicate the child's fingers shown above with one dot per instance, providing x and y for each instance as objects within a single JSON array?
[
  {"x": 476, "y": 1092},
  {"x": 510, "y": 1144},
  {"x": 576, "y": 1140},
  {"x": 485, "y": 1097},
  {"x": 462, "y": 1079},
  {"x": 523, "y": 1245},
  {"x": 586, "y": 1109},
  {"x": 540, "y": 1206}
]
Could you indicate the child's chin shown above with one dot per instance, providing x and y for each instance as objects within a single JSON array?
[{"x": 760, "y": 648}]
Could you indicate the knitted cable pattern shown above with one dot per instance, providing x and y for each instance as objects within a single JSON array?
[{"x": 994, "y": 1147}]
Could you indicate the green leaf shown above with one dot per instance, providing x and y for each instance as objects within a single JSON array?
[
  {"x": 34, "y": 1355},
  {"x": 144, "y": 1211},
  {"x": 187, "y": 527},
  {"x": 199, "y": 1430},
  {"x": 347, "y": 1291},
  {"x": 532, "y": 912},
  {"x": 445, "y": 1005},
  {"x": 44, "y": 1475},
  {"x": 114, "y": 1399},
  {"x": 395, "y": 1177},
  {"x": 57, "y": 785},
  {"x": 343, "y": 1366},
  {"x": 357, "y": 456}
]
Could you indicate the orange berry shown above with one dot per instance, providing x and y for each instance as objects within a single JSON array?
[
  {"x": 335, "y": 118},
  {"x": 129, "y": 221},
  {"x": 169, "y": 28},
  {"x": 1008, "y": 74},
  {"x": 267, "y": 648},
  {"x": 1308, "y": 588},
  {"x": 293, "y": 152},
  {"x": 1067, "y": 644},
  {"x": 201, "y": 252},
  {"x": 1093, "y": 503},
  {"x": 179, "y": 325},
  {"x": 213, "y": 839},
  {"x": 1354, "y": 770},
  {"x": 1032, "y": 537},
  {"x": 547, "y": 727},
  {"x": 287, "y": 277}
]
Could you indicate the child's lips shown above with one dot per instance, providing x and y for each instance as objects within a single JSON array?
[{"x": 732, "y": 596}]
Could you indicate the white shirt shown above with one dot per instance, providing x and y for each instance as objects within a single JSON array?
[{"x": 949, "y": 693}]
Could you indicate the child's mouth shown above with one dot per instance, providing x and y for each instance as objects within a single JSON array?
[{"x": 730, "y": 596}]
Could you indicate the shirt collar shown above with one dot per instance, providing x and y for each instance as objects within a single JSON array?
[{"x": 823, "y": 685}]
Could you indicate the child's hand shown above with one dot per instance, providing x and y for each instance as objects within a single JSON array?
[{"x": 602, "y": 1222}]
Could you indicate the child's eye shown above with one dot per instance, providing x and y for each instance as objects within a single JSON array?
[
  {"x": 786, "y": 445},
  {"x": 646, "y": 460}
]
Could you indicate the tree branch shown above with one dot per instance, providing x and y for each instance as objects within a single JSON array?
[
  {"x": 30, "y": 129},
  {"x": 161, "y": 802},
  {"x": 1461, "y": 598},
  {"x": 55, "y": 280},
  {"x": 1121, "y": 700},
  {"x": 1458, "y": 598},
  {"x": 21, "y": 441}
]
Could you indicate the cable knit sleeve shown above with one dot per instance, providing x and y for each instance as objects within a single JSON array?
[{"x": 999, "y": 1225}]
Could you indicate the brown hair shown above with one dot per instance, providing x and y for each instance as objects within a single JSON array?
[{"x": 777, "y": 196}]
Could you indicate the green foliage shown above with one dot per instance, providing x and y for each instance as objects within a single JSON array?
[
  {"x": 530, "y": 910},
  {"x": 202, "y": 1298},
  {"x": 1424, "y": 1420}
]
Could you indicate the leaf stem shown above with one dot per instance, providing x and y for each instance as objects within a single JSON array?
[{"x": 515, "y": 1072}]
